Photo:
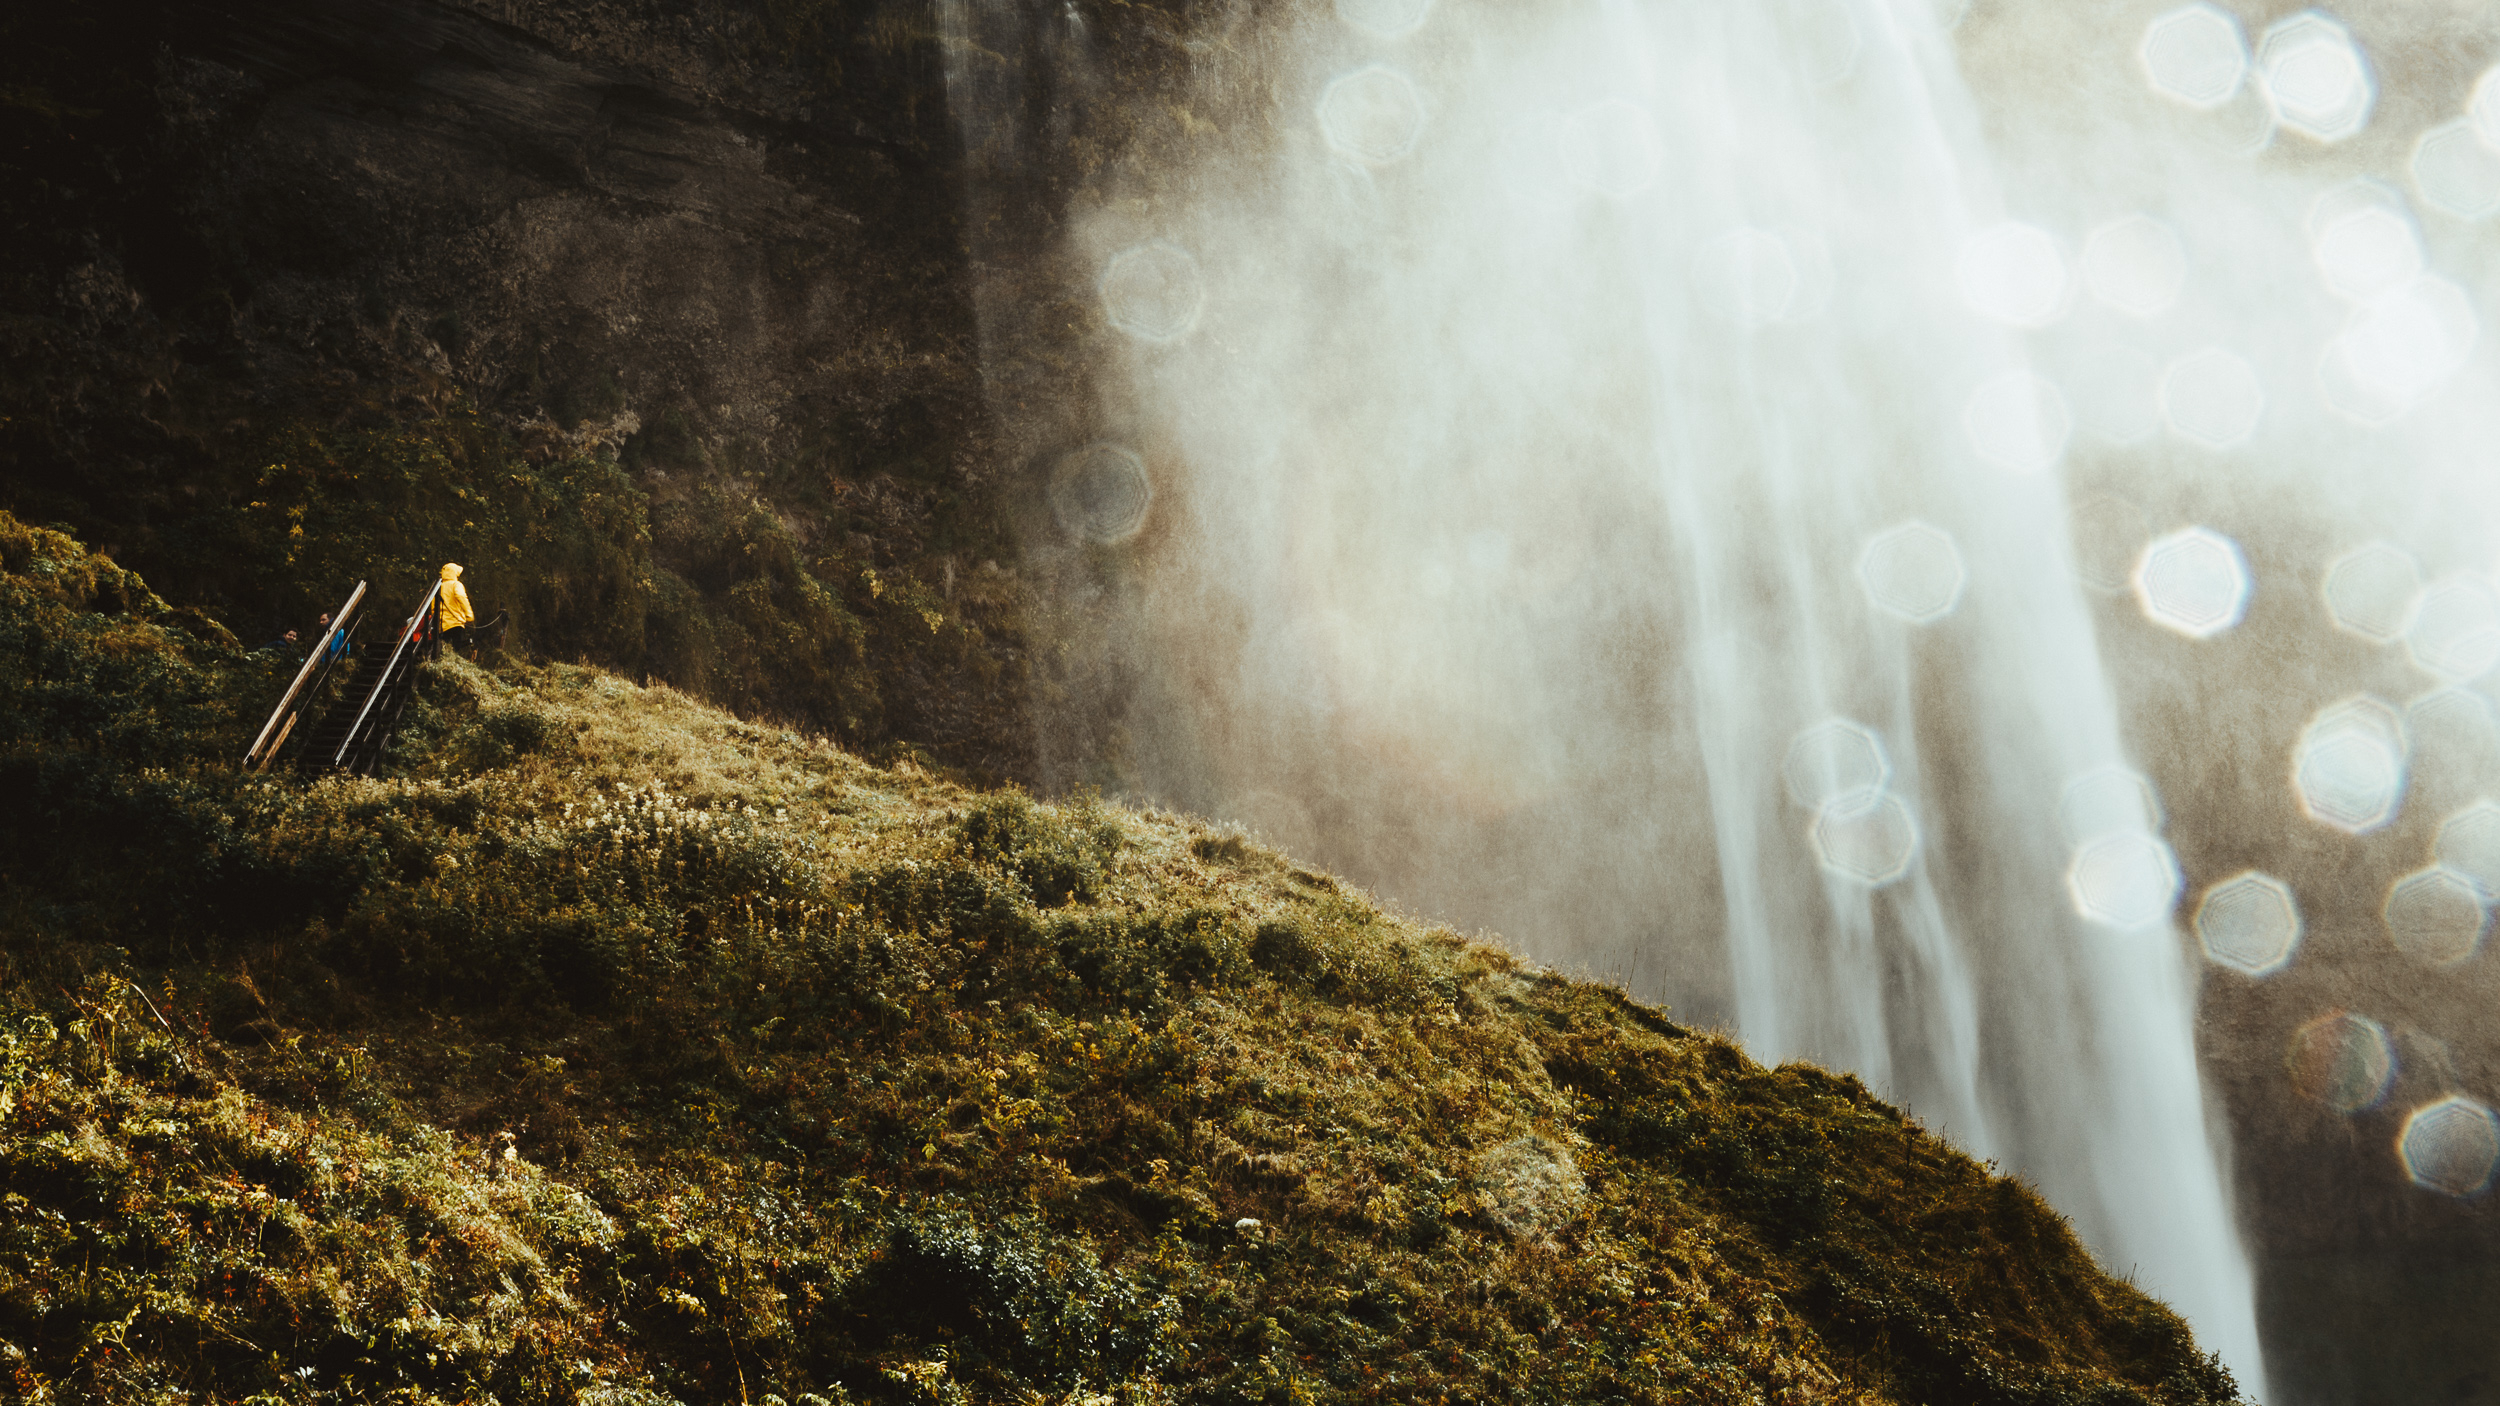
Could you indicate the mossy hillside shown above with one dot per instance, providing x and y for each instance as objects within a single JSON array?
[{"x": 840, "y": 1081}]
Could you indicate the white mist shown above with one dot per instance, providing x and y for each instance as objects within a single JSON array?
[{"x": 1612, "y": 462}]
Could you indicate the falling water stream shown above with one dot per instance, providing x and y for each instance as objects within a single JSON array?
[{"x": 1650, "y": 477}]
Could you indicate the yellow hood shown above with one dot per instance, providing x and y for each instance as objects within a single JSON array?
[{"x": 454, "y": 600}]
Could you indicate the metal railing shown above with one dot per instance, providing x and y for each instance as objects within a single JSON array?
[
  {"x": 409, "y": 634},
  {"x": 313, "y": 662}
]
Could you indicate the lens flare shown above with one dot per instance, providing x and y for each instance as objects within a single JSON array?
[
  {"x": 1947, "y": 13},
  {"x": 2469, "y": 844},
  {"x": 2348, "y": 769},
  {"x": 1100, "y": 494},
  {"x": 1372, "y": 115},
  {"x": 2482, "y": 108},
  {"x": 1152, "y": 291},
  {"x": 2127, "y": 880},
  {"x": 2457, "y": 172},
  {"x": 2370, "y": 589},
  {"x": 2213, "y": 398},
  {"x": 2242, "y": 126},
  {"x": 2399, "y": 350},
  {"x": 2134, "y": 265},
  {"x": 1748, "y": 276},
  {"x": 1611, "y": 148},
  {"x": 2018, "y": 421},
  {"x": 2117, "y": 396},
  {"x": 1385, "y": 19},
  {"x": 2110, "y": 534},
  {"x": 1821, "y": 36},
  {"x": 2195, "y": 55},
  {"x": 2455, "y": 724},
  {"x": 2315, "y": 77},
  {"x": 2367, "y": 254},
  {"x": 2249, "y": 923},
  {"x": 1867, "y": 838},
  {"x": 2451, "y": 1146},
  {"x": 2193, "y": 581},
  {"x": 2013, "y": 273},
  {"x": 2436, "y": 915},
  {"x": 1913, "y": 572},
  {"x": 2454, "y": 631},
  {"x": 2108, "y": 800},
  {"x": 2342, "y": 1060},
  {"x": 1834, "y": 761}
]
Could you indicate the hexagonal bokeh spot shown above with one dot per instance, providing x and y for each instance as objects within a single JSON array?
[
  {"x": 2117, "y": 395},
  {"x": 1867, "y": 838},
  {"x": 2451, "y": 1146},
  {"x": 2135, "y": 265},
  {"x": 1152, "y": 291},
  {"x": 2315, "y": 77},
  {"x": 2249, "y": 923},
  {"x": 1822, "y": 36},
  {"x": 2013, "y": 273},
  {"x": 2399, "y": 350},
  {"x": 1100, "y": 494},
  {"x": 2370, "y": 589},
  {"x": 1913, "y": 572},
  {"x": 2454, "y": 632},
  {"x": 2482, "y": 107},
  {"x": 1611, "y": 148},
  {"x": 2110, "y": 534},
  {"x": 1371, "y": 114},
  {"x": 1945, "y": 14},
  {"x": 2193, "y": 581},
  {"x": 2126, "y": 880},
  {"x": 2107, "y": 800},
  {"x": 2368, "y": 253},
  {"x": 2436, "y": 915},
  {"x": 2469, "y": 844},
  {"x": 2195, "y": 55},
  {"x": 2412, "y": 343},
  {"x": 2457, "y": 172},
  {"x": 2342, "y": 1060},
  {"x": 2212, "y": 397},
  {"x": 2242, "y": 126},
  {"x": 2018, "y": 421},
  {"x": 1748, "y": 276},
  {"x": 2348, "y": 768},
  {"x": 2456, "y": 723},
  {"x": 1386, "y": 19},
  {"x": 1833, "y": 761}
]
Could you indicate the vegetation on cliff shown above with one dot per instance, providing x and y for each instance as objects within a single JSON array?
[
  {"x": 651, "y": 313},
  {"x": 832, "y": 1082}
]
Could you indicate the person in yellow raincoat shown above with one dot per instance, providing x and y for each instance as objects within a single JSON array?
[
  {"x": 459, "y": 620},
  {"x": 453, "y": 602}
]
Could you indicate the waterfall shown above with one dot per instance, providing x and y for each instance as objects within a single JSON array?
[{"x": 1639, "y": 477}]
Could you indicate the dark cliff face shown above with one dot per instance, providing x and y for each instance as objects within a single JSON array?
[{"x": 654, "y": 314}]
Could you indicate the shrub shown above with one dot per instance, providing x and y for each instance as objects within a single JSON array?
[{"x": 1059, "y": 857}]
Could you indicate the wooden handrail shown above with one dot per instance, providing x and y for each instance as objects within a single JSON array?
[
  {"x": 389, "y": 667},
  {"x": 319, "y": 656}
]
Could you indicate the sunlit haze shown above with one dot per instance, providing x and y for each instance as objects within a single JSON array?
[{"x": 1959, "y": 546}]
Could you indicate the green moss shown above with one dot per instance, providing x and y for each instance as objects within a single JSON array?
[{"x": 839, "y": 1082}]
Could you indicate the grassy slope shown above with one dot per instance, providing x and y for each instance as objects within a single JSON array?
[{"x": 833, "y": 1082}]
